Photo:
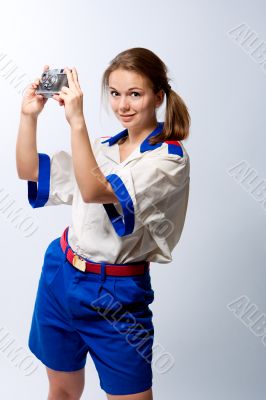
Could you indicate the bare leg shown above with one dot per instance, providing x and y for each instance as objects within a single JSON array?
[
  {"x": 147, "y": 395},
  {"x": 65, "y": 385}
]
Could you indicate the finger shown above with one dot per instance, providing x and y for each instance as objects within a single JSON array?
[
  {"x": 75, "y": 74},
  {"x": 31, "y": 88},
  {"x": 75, "y": 77},
  {"x": 40, "y": 97},
  {"x": 34, "y": 84},
  {"x": 65, "y": 90},
  {"x": 61, "y": 96},
  {"x": 56, "y": 97},
  {"x": 46, "y": 67},
  {"x": 70, "y": 79}
]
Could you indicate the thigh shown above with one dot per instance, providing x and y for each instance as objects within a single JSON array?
[
  {"x": 147, "y": 395},
  {"x": 72, "y": 383},
  {"x": 120, "y": 334},
  {"x": 53, "y": 338}
]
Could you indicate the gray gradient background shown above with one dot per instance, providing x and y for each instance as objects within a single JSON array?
[{"x": 221, "y": 255}]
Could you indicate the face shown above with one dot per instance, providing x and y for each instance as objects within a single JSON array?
[{"x": 132, "y": 99}]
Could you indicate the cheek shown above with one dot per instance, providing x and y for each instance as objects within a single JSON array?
[
  {"x": 142, "y": 106},
  {"x": 113, "y": 104},
  {"x": 137, "y": 105}
]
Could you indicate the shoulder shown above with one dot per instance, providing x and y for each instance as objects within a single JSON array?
[
  {"x": 171, "y": 150},
  {"x": 174, "y": 147},
  {"x": 62, "y": 155},
  {"x": 97, "y": 143},
  {"x": 100, "y": 141},
  {"x": 104, "y": 140},
  {"x": 62, "y": 160}
]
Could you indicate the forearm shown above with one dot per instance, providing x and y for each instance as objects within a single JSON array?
[
  {"x": 92, "y": 183},
  {"x": 26, "y": 148}
]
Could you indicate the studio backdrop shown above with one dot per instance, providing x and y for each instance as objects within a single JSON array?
[{"x": 209, "y": 308}]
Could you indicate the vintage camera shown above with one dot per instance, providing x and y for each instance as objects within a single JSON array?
[{"x": 51, "y": 82}]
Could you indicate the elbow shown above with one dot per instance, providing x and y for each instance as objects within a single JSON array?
[
  {"x": 33, "y": 176},
  {"x": 19, "y": 175},
  {"x": 91, "y": 197},
  {"x": 85, "y": 199},
  {"x": 100, "y": 198},
  {"x": 88, "y": 197},
  {"x": 100, "y": 195},
  {"x": 92, "y": 194}
]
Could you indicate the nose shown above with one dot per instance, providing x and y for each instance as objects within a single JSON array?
[{"x": 124, "y": 103}]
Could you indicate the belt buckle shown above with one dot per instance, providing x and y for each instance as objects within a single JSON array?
[{"x": 79, "y": 263}]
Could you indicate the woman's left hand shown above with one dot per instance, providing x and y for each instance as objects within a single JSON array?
[{"x": 72, "y": 98}]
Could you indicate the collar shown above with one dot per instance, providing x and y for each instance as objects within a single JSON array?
[{"x": 145, "y": 145}]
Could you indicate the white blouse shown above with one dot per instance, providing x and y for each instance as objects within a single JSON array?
[{"x": 152, "y": 185}]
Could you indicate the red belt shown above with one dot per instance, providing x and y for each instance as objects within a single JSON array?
[{"x": 80, "y": 263}]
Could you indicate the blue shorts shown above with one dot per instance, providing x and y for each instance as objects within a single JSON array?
[{"x": 77, "y": 312}]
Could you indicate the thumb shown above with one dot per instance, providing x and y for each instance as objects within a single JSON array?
[{"x": 42, "y": 98}]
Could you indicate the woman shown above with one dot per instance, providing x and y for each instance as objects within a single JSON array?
[{"x": 129, "y": 196}]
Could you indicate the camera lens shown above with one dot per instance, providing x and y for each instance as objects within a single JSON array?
[{"x": 49, "y": 81}]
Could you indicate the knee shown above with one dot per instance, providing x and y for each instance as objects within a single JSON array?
[{"x": 61, "y": 394}]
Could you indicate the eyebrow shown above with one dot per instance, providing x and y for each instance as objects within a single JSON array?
[{"x": 110, "y": 87}]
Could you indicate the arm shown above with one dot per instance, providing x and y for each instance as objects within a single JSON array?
[
  {"x": 26, "y": 149},
  {"x": 92, "y": 183},
  {"x": 93, "y": 186}
]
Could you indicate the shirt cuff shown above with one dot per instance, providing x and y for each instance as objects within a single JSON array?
[
  {"x": 123, "y": 226},
  {"x": 38, "y": 195}
]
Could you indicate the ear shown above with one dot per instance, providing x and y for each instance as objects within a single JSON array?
[{"x": 159, "y": 98}]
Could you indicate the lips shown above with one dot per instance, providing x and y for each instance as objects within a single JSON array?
[{"x": 129, "y": 115}]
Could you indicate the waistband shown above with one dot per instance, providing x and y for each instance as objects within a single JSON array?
[{"x": 85, "y": 265}]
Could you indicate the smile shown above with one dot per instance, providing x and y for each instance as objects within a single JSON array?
[{"x": 129, "y": 115}]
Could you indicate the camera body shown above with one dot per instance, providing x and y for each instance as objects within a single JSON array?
[{"x": 51, "y": 82}]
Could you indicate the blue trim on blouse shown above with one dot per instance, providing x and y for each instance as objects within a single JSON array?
[
  {"x": 126, "y": 226},
  {"x": 174, "y": 149},
  {"x": 38, "y": 195},
  {"x": 145, "y": 144}
]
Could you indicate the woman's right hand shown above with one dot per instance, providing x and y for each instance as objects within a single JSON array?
[{"x": 32, "y": 103}]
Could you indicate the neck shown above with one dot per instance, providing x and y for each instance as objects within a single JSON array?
[{"x": 136, "y": 135}]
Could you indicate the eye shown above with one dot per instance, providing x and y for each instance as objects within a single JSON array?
[
  {"x": 137, "y": 93},
  {"x": 112, "y": 91}
]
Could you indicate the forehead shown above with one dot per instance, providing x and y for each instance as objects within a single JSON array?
[{"x": 123, "y": 79}]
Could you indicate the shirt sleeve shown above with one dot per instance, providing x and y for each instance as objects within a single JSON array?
[
  {"x": 146, "y": 190},
  {"x": 56, "y": 181}
]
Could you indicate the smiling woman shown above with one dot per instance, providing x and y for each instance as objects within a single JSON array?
[
  {"x": 129, "y": 196},
  {"x": 135, "y": 109}
]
